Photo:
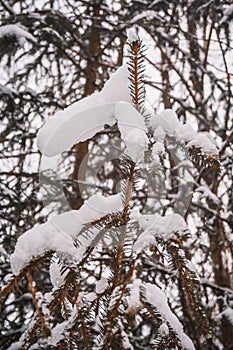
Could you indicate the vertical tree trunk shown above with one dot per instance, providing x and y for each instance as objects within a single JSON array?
[{"x": 93, "y": 63}]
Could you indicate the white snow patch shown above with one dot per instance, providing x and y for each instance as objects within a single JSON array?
[
  {"x": 133, "y": 130},
  {"x": 4, "y": 90},
  {"x": 132, "y": 35},
  {"x": 148, "y": 14},
  {"x": 89, "y": 297},
  {"x": 157, "y": 298},
  {"x": 126, "y": 342},
  {"x": 201, "y": 140},
  {"x": 56, "y": 277},
  {"x": 168, "y": 122},
  {"x": 159, "y": 134},
  {"x": 228, "y": 314},
  {"x": 156, "y": 226},
  {"x": 18, "y": 30},
  {"x": 206, "y": 193},
  {"x": 101, "y": 285},
  {"x": 227, "y": 13},
  {"x": 85, "y": 118},
  {"x": 71, "y": 126},
  {"x": 134, "y": 297},
  {"x": 61, "y": 330},
  {"x": 158, "y": 148},
  {"x": 185, "y": 132},
  {"x": 58, "y": 233},
  {"x": 163, "y": 329},
  {"x": 117, "y": 87}
]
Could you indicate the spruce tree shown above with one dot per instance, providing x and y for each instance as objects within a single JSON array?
[
  {"x": 58, "y": 52},
  {"x": 101, "y": 296}
]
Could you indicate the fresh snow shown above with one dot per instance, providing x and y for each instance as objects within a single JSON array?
[
  {"x": 61, "y": 330},
  {"x": 156, "y": 227},
  {"x": 148, "y": 14},
  {"x": 117, "y": 87},
  {"x": 68, "y": 127},
  {"x": 158, "y": 148},
  {"x": 132, "y": 35},
  {"x": 134, "y": 296},
  {"x": 136, "y": 142},
  {"x": 228, "y": 314},
  {"x": 56, "y": 277},
  {"x": 158, "y": 299},
  {"x": 185, "y": 132},
  {"x": 133, "y": 130},
  {"x": 101, "y": 285},
  {"x": 59, "y": 232},
  {"x": 159, "y": 134},
  {"x": 114, "y": 297},
  {"x": 168, "y": 123},
  {"x": 206, "y": 193},
  {"x": 78, "y": 122},
  {"x": 85, "y": 118},
  {"x": 202, "y": 140},
  {"x": 163, "y": 329},
  {"x": 4, "y": 90},
  {"x": 18, "y": 30},
  {"x": 21, "y": 342},
  {"x": 126, "y": 342},
  {"x": 167, "y": 120}
]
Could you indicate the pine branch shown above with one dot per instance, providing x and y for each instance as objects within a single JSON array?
[
  {"x": 33, "y": 265},
  {"x": 69, "y": 291},
  {"x": 204, "y": 161},
  {"x": 114, "y": 310},
  {"x": 190, "y": 284},
  {"x": 172, "y": 336},
  {"x": 136, "y": 70},
  {"x": 46, "y": 332}
]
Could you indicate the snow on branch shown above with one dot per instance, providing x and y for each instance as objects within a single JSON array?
[
  {"x": 156, "y": 227},
  {"x": 85, "y": 118},
  {"x": 72, "y": 125},
  {"x": 70, "y": 235},
  {"x": 20, "y": 32},
  {"x": 168, "y": 121},
  {"x": 155, "y": 296},
  {"x": 132, "y": 129},
  {"x": 59, "y": 232}
]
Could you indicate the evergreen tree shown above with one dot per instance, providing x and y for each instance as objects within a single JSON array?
[{"x": 55, "y": 54}]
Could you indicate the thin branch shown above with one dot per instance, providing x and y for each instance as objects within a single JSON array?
[{"x": 7, "y": 7}]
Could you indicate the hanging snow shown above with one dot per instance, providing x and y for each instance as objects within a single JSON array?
[
  {"x": 59, "y": 232},
  {"x": 132, "y": 129},
  {"x": 83, "y": 119},
  {"x": 157, "y": 298},
  {"x": 156, "y": 226},
  {"x": 17, "y": 30},
  {"x": 168, "y": 122}
]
